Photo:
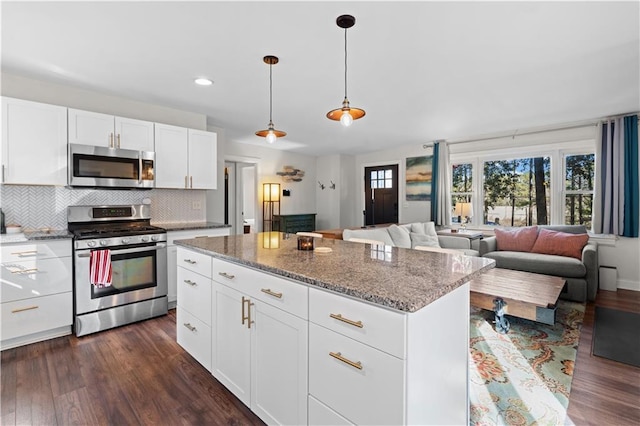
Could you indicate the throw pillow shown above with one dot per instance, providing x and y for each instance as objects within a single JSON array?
[
  {"x": 560, "y": 243},
  {"x": 400, "y": 236},
  {"x": 418, "y": 228},
  {"x": 516, "y": 239},
  {"x": 427, "y": 228},
  {"x": 423, "y": 240}
]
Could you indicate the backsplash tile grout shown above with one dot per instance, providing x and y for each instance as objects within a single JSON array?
[{"x": 36, "y": 207}]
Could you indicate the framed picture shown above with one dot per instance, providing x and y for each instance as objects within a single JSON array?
[{"x": 419, "y": 173}]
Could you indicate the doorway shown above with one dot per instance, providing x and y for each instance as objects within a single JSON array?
[
  {"x": 381, "y": 194},
  {"x": 240, "y": 196}
]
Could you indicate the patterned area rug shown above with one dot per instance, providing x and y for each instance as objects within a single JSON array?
[{"x": 523, "y": 377}]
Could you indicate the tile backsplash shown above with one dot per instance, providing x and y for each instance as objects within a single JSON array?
[{"x": 35, "y": 207}]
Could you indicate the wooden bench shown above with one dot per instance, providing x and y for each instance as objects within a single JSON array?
[{"x": 524, "y": 294}]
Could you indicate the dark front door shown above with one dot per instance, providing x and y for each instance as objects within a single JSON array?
[{"x": 381, "y": 194}]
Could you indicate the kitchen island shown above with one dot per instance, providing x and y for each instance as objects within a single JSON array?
[{"x": 357, "y": 334}]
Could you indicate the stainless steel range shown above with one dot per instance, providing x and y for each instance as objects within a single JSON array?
[{"x": 120, "y": 266}]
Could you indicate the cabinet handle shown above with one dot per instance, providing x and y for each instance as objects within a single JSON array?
[
  {"x": 191, "y": 181},
  {"x": 246, "y": 315},
  {"x": 118, "y": 140},
  {"x": 191, "y": 283},
  {"x": 26, "y": 253},
  {"x": 111, "y": 140},
  {"x": 25, "y": 271},
  {"x": 190, "y": 327},
  {"x": 3, "y": 173},
  {"x": 339, "y": 317},
  {"x": 271, "y": 293},
  {"x": 28, "y": 308},
  {"x": 338, "y": 356},
  {"x": 189, "y": 261},
  {"x": 224, "y": 274},
  {"x": 186, "y": 184}
]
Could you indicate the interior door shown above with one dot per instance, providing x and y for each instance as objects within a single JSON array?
[{"x": 381, "y": 194}]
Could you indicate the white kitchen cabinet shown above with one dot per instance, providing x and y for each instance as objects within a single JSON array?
[
  {"x": 34, "y": 143},
  {"x": 185, "y": 158},
  {"x": 93, "y": 128},
  {"x": 259, "y": 351},
  {"x": 172, "y": 253},
  {"x": 36, "y": 299}
]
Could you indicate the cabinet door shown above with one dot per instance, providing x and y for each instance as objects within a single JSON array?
[
  {"x": 171, "y": 156},
  {"x": 231, "y": 345},
  {"x": 34, "y": 147},
  {"x": 134, "y": 134},
  {"x": 278, "y": 366},
  {"x": 203, "y": 162},
  {"x": 91, "y": 128}
]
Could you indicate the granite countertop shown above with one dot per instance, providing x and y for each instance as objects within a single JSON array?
[
  {"x": 35, "y": 235},
  {"x": 402, "y": 279},
  {"x": 187, "y": 226}
]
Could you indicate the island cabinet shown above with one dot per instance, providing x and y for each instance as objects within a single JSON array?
[{"x": 260, "y": 334}]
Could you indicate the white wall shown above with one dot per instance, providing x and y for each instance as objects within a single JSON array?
[{"x": 327, "y": 199}]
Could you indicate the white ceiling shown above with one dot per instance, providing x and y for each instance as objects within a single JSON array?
[{"x": 421, "y": 70}]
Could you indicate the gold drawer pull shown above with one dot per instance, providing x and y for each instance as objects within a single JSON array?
[
  {"x": 25, "y": 271},
  {"x": 28, "y": 308},
  {"x": 338, "y": 356},
  {"x": 191, "y": 262},
  {"x": 26, "y": 253},
  {"x": 224, "y": 274},
  {"x": 191, "y": 283},
  {"x": 271, "y": 293},
  {"x": 339, "y": 317},
  {"x": 190, "y": 327}
]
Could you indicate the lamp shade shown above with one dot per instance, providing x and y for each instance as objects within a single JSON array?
[
  {"x": 464, "y": 209},
  {"x": 270, "y": 192}
]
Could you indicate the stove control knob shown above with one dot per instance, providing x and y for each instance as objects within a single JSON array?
[
  {"x": 154, "y": 238},
  {"x": 144, "y": 239},
  {"x": 103, "y": 242},
  {"x": 125, "y": 241},
  {"x": 91, "y": 243}
]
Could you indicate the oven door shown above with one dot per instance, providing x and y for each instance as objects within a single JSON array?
[{"x": 138, "y": 273}]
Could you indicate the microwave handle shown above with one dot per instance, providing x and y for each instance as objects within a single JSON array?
[
  {"x": 139, "y": 166},
  {"x": 127, "y": 251}
]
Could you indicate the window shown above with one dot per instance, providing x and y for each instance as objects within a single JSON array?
[
  {"x": 516, "y": 192},
  {"x": 462, "y": 188},
  {"x": 578, "y": 189},
  {"x": 381, "y": 179}
]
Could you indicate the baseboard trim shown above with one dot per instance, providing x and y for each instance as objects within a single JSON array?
[
  {"x": 629, "y": 285},
  {"x": 35, "y": 337}
]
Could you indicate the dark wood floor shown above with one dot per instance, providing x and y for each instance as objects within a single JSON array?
[{"x": 139, "y": 375}]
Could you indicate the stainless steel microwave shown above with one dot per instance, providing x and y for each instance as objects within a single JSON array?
[{"x": 101, "y": 167}]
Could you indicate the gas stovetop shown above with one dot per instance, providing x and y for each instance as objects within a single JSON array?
[{"x": 115, "y": 231}]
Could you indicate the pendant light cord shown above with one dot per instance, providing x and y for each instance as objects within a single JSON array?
[
  {"x": 345, "y": 63},
  {"x": 270, "y": 92}
]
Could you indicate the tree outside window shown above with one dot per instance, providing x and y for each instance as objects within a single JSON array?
[
  {"x": 462, "y": 187},
  {"x": 516, "y": 192},
  {"x": 578, "y": 189}
]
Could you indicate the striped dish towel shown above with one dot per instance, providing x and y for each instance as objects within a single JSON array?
[{"x": 100, "y": 268}]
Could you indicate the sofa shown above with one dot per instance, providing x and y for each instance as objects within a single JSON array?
[
  {"x": 562, "y": 251},
  {"x": 411, "y": 235}
]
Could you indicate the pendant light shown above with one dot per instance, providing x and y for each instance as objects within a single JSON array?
[
  {"x": 346, "y": 114},
  {"x": 271, "y": 133}
]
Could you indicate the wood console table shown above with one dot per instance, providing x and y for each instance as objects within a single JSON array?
[{"x": 292, "y": 223}]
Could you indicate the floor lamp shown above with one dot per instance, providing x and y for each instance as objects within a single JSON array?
[{"x": 270, "y": 205}]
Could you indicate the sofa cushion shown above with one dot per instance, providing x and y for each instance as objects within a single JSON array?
[
  {"x": 538, "y": 263},
  {"x": 560, "y": 243},
  {"x": 424, "y": 240},
  {"x": 400, "y": 236},
  {"x": 377, "y": 234},
  {"x": 516, "y": 239},
  {"x": 427, "y": 228}
]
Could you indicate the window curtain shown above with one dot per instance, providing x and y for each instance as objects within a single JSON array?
[
  {"x": 440, "y": 193},
  {"x": 617, "y": 190}
]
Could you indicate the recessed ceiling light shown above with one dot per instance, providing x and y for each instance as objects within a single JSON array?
[{"x": 203, "y": 81}]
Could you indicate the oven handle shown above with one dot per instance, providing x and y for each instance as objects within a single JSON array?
[{"x": 126, "y": 251}]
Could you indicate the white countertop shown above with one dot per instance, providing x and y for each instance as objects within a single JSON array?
[{"x": 12, "y": 238}]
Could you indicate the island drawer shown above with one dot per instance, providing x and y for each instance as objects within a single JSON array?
[
  {"x": 275, "y": 291},
  {"x": 371, "y": 325},
  {"x": 194, "y": 294},
  {"x": 357, "y": 381},
  {"x": 320, "y": 414},
  {"x": 194, "y": 336},
  {"x": 32, "y": 251},
  {"x": 196, "y": 262}
]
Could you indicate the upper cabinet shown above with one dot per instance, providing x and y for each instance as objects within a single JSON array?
[
  {"x": 185, "y": 158},
  {"x": 92, "y": 128},
  {"x": 34, "y": 143}
]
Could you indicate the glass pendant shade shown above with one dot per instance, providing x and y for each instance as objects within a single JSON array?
[
  {"x": 346, "y": 115},
  {"x": 270, "y": 133}
]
